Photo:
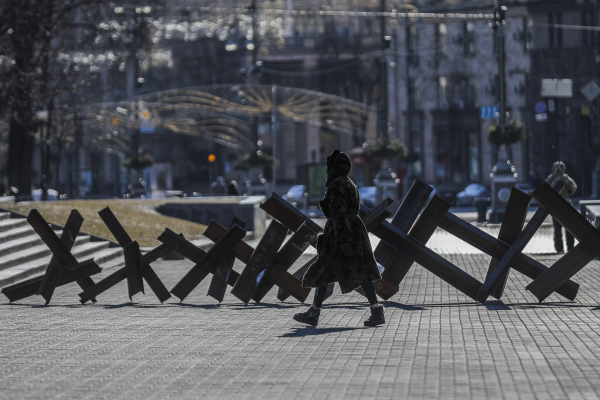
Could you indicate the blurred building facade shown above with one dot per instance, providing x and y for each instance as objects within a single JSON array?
[
  {"x": 445, "y": 71},
  {"x": 440, "y": 73}
]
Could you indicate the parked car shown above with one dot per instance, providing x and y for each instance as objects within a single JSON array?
[
  {"x": 36, "y": 195},
  {"x": 296, "y": 195},
  {"x": 472, "y": 191},
  {"x": 368, "y": 195}
]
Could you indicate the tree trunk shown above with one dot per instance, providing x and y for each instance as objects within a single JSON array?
[
  {"x": 20, "y": 142},
  {"x": 22, "y": 120}
]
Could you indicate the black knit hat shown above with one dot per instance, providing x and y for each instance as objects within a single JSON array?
[{"x": 331, "y": 159}]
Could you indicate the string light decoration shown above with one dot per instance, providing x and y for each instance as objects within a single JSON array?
[
  {"x": 217, "y": 113},
  {"x": 275, "y": 22},
  {"x": 199, "y": 111}
]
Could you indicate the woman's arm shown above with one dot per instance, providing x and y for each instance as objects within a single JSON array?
[{"x": 337, "y": 206}]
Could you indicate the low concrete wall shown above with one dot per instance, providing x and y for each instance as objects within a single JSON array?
[{"x": 248, "y": 209}]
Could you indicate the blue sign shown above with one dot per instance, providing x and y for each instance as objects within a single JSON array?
[
  {"x": 540, "y": 107},
  {"x": 489, "y": 112}
]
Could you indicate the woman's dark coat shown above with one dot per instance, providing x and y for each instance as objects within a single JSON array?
[{"x": 340, "y": 205}]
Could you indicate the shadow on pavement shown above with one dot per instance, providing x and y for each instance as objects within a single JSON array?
[
  {"x": 236, "y": 305},
  {"x": 496, "y": 305},
  {"x": 44, "y": 306},
  {"x": 492, "y": 305},
  {"x": 311, "y": 331},
  {"x": 113, "y": 306},
  {"x": 405, "y": 307},
  {"x": 565, "y": 304}
]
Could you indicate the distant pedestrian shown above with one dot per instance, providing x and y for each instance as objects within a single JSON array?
[
  {"x": 232, "y": 188},
  {"x": 344, "y": 249},
  {"x": 569, "y": 188},
  {"x": 218, "y": 187}
]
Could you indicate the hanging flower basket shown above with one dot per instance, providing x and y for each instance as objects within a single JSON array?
[
  {"x": 255, "y": 159},
  {"x": 387, "y": 150},
  {"x": 515, "y": 132},
  {"x": 138, "y": 163}
]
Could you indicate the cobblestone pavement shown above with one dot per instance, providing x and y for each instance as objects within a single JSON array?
[{"x": 437, "y": 343}]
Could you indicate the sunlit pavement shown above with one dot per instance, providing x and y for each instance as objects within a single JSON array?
[{"x": 437, "y": 343}]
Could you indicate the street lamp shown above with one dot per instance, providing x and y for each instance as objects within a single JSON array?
[
  {"x": 385, "y": 43},
  {"x": 231, "y": 45},
  {"x": 503, "y": 173}
]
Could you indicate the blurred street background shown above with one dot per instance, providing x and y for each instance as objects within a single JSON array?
[{"x": 190, "y": 98}]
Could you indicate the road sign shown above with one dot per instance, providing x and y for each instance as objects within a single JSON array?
[
  {"x": 591, "y": 90},
  {"x": 585, "y": 110},
  {"x": 540, "y": 107},
  {"x": 557, "y": 88},
  {"x": 489, "y": 112},
  {"x": 541, "y": 117}
]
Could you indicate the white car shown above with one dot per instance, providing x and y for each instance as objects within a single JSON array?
[
  {"x": 36, "y": 195},
  {"x": 368, "y": 195},
  {"x": 471, "y": 192},
  {"x": 296, "y": 194}
]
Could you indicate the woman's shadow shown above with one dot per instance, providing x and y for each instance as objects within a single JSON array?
[{"x": 313, "y": 330}]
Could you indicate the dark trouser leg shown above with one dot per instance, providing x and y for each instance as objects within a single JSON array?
[
  {"x": 320, "y": 293},
  {"x": 369, "y": 292},
  {"x": 570, "y": 240},
  {"x": 558, "y": 243}
]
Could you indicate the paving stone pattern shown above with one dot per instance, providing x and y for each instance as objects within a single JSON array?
[{"x": 437, "y": 343}]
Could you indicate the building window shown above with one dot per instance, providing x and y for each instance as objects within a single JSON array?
[
  {"x": 469, "y": 37},
  {"x": 442, "y": 92},
  {"x": 367, "y": 28},
  {"x": 554, "y": 33},
  {"x": 528, "y": 32},
  {"x": 471, "y": 90},
  {"x": 412, "y": 39},
  {"x": 440, "y": 38},
  {"x": 413, "y": 94},
  {"x": 587, "y": 19},
  {"x": 356, "y": 26},
  {"x": 411, "y": 44},
  {"x": 320, "y": 26}
]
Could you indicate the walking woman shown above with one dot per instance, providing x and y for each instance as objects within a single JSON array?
[{"x": 344, "y": 250}]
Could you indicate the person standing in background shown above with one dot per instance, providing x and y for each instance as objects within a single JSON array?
[{"x": 569, "y": 188}]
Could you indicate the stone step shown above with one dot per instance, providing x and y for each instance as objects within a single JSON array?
[
  {"x": 38, "y": 266},
  {"x": 22, "y": 243},
  {"x": 16, "y": 233},
  {"x": 11, "y": 223},
  {"x": 4, "y": 215},
  {"x": 14, "y": 245},
  {"x": 116, "y": 262},
  {"x": 105, "y": 257},
  {"x": 31, "y": 253}
]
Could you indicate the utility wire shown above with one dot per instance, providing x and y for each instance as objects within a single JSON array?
[
  {"x": 364, "y": 56},
  {"x": 574, "y": 27},
  {"x": 323, "y": 71}
]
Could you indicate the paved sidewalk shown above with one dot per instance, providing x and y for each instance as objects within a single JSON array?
[{"x": 437, "y": 343}]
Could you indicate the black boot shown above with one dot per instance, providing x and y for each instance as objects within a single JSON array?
[
  {"x": 311, "y": 316},
  {"x": 376, "y": 317}
]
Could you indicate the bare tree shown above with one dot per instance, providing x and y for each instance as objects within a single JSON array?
[{"x": 51, "y": 53}]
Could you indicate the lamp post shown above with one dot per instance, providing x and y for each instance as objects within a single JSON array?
[
  {"x": 503, "y": 173},
  {"x": 274, "y": 128},
  {"x": 44, "y": 129},
  {"x": 253, "y": 69},
  {"x": 385, "y": 41}
]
